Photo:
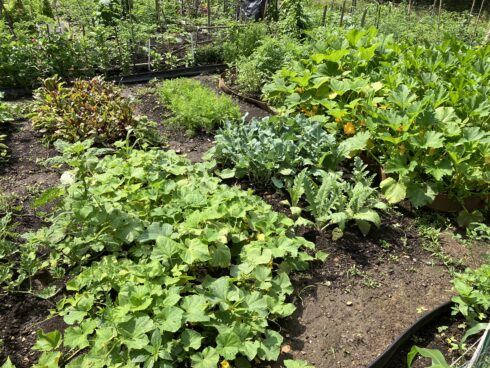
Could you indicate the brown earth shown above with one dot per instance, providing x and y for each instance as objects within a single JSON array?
[
  {"x": 349, "y": 309},
  {"x": 177, "y": 139},
  {"x": 22, "y": 178}
]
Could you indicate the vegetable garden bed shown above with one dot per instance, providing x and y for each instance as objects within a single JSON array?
[{"x": 349, "y": 308}]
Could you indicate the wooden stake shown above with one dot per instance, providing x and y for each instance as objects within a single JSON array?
[
  {"x": 209, "y": 13},
  {"x": 439, "y": 15},
  {"x": 363, "y": 19},
  {"x": 342, "y": 13},
  {"x": 324, "y": 17},
  {"x": 472, "y": 7},
  {"x": 479, "y": 13}
]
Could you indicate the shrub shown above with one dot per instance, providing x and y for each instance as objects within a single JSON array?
[
  {"x": 91, "y": 109},
  {"x": 425, "y": 107},
  {"x": 242, "y": 41},
  {"x": 194, "y": 106},
  {"x": 257, "y": 69},
  {"x": 208, "y": 54},
  {"x": 268, "y": 149}
]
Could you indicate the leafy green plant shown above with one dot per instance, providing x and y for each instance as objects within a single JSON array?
[
  {"x": 258, "y": 68},
  {"x": 335, "y": 201},
  {"x": 176, "y": 268},
  {"x": 275, "y": 149},
  {"x": 242, "y": 41},
  {"x": 426, "y": 108},
  {"x": 90, "y": 109},
  {"x": 196, "y": 107},
  {"x": 437, "y": 359},
  {"x": 5, "y": 117},
  {"x": 473, "y": 299},
  {"x": 268, "y": 149},
  {"x": 294, "y": 18}
]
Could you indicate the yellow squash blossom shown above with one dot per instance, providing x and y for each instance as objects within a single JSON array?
[{"x": 349, "y": 129}]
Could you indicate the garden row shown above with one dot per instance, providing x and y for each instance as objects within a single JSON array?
[
  {"x": 88, "y": 38},
  {"x": 168, "y": 266}
]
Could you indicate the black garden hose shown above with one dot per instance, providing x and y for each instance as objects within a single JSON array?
[{"x": 384, "y": 359}]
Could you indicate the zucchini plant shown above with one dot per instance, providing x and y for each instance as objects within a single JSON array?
[
  {"x": 175, "y": 268},
  {"x": 426, "y": 108}
]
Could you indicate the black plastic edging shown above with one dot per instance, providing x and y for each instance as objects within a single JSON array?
[
  {"x": 383, "y": 360},
  {"x": 19, "y": 92},
  {"x": 168, "y": 74}
]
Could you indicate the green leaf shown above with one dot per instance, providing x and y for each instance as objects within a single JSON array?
[
  {"x": 47, "y": 293},
  {"x": 337, "y": 233},
  {"x": 364, "y": 226},
  {"x": 297, "y": 364},
  {"x": 421, "y": 194},
  {"x": 393, "y": 190},
  {"x": 220, "y": 257},
  {"x": 76, "y": 336},
  {"x": 169, "y": 318},
  {"x": 195, "y": 250},
  {"x": 134, "y": 331},
  {"x": 438, "y": 360},
  {"x": 353, "y": 144},
  {"x": 432, "y": 139},
  {"x": 321, "y": 256},
  {"x": 479, "y": 327},
  {"x": 226, "y": 173},
  {"x": 249, "y": 349},
  {"x": 154, "y": 231},
  {"x": 368, "y": 215},
  {"x": 270, "y": 347},
  {"x": 49, "y": 195},
  {"x": 48, "y": 360},
  {"x": 7, "y": 364},
  {"x": 47, "y": 341},
  {"x": 208, "y": 358},
  {"x": 190, "y": 339},
  {"x": 228, "y": 344},
  {"x": 195, "y": 308}
]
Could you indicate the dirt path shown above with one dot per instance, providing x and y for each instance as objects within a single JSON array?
[{"x": 22, "y": 178}]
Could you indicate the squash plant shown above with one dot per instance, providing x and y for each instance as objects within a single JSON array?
[
  {"x": 427, "y": 108},
  {"x": 175, "y": 268}
]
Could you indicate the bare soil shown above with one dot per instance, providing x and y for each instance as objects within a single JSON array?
[
  {"x": 177, "y": 139},
  {"x": 349, "y": 308},
  {"x": 22, "y": 178}
]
